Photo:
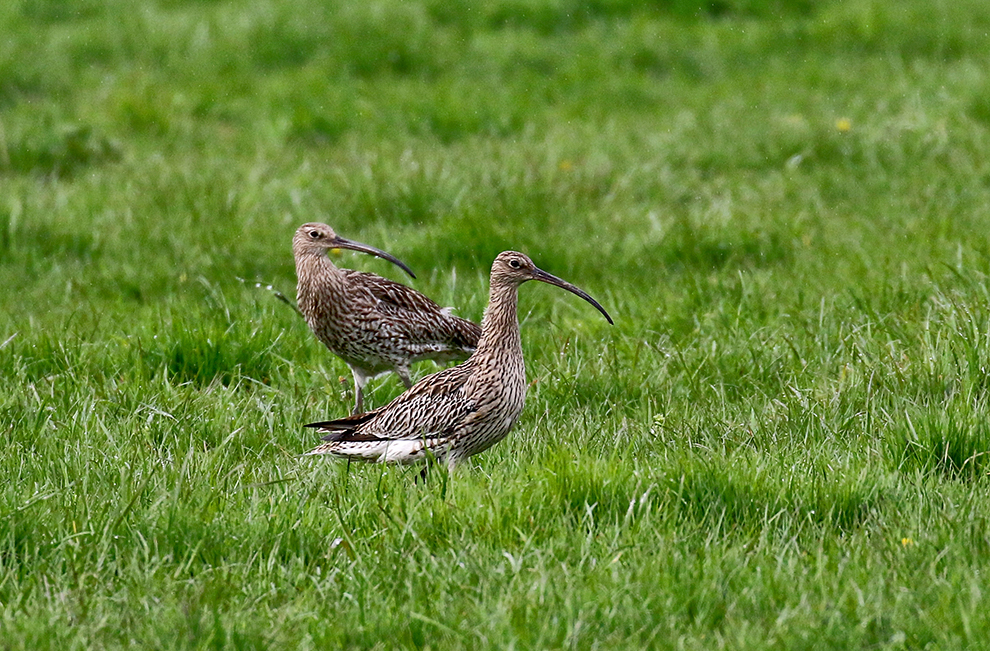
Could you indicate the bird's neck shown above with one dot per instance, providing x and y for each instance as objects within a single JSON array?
[
  {"x": 500, "y": 325},
  {"x": 317, "y": 274}
]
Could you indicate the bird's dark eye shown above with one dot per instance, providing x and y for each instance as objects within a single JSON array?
[
  {"x": 314, "y": 234},
  {"x": 514, "y": 263}
]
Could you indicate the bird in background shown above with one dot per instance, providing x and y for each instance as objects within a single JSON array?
[
  {"x": 459, "y": 411},
  {"x": 374, "y": 324}
]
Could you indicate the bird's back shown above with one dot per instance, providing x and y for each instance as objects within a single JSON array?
[{"x": 427, "y": 330}]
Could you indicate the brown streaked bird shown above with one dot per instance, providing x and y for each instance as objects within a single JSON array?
[
  {"x": 459, "y": 411},
  {"x": 374, "y": 324}
]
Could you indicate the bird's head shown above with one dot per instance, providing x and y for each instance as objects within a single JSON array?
[
  {"x": 316, "y": 239},
  {"x": 514, "y": 268}
]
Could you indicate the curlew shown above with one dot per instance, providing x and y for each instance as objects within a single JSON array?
[
  {"x": 459, "y": 411},
  {"x": 374, "y": 324}
]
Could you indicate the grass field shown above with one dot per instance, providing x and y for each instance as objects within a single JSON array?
[{"x": 783, "y": 443}]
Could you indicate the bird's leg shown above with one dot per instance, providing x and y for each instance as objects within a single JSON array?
[
  {"x": 403, "y": 374},
  {"x": 360, "y": 379},
  {"x": 429, "y": 460}
]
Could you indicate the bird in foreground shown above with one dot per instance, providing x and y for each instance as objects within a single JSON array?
[
  {"x": 374, "y": 324},
  {"x": 462, "y": 410}
]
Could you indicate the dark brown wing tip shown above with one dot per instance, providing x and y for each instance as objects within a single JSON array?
[
  {"x": 338, "y": 436},
  {"x": 347, "y": 422}
]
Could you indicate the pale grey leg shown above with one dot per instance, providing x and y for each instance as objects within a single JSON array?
[{"x": 360, "y": 379}]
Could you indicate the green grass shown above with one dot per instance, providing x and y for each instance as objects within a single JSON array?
[{"x": 783, "y": 443}]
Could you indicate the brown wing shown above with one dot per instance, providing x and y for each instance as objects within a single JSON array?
[
  {"x": 397, "y": 298},
  {"x": 392, "y": 292},
  {"x": 435, "y": 406}
]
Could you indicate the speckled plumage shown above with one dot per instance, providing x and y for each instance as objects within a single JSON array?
[
  {"x": 374, "y": 324},
  {"x": 462, "y": 410}
]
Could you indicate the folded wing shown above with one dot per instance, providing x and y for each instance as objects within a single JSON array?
[{"x": 435, "y": 407}]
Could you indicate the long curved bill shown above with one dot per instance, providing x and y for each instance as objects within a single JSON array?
[
  {"x": 341, "y": 243},
  {"x": 539, "y": 274}
]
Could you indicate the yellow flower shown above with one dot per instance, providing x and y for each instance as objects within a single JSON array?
[
  {"x": 844, "y": 125},
  {"x": 906, "y": 542}
]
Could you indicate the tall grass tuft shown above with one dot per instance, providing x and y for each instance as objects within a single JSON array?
[{"x": 950, "y": 439}]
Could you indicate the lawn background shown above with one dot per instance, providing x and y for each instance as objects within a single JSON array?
[{"x": 782, "y": 443}]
